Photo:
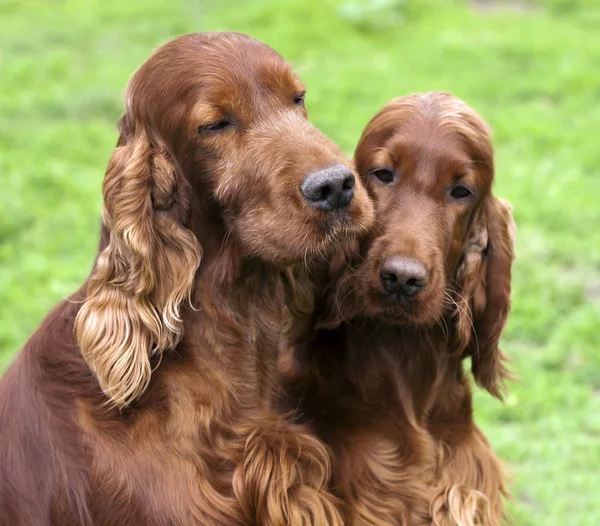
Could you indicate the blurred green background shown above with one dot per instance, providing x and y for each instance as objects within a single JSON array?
[{"x": 532, "y": 69}]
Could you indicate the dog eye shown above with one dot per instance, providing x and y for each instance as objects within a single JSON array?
[
  {"x": 460, "y": 192},
  {"x": 299, "y": 99},
  {"x": 385, "y": 175},
  {"x": 215, "y": 126}
]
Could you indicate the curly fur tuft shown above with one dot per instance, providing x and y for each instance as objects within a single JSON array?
[{"x": 141, "y": 278}]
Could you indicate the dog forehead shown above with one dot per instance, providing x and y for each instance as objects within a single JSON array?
[
  {"x": 219, "y": 67},
  {"x": 425, "y": 155},
  {"x": 244, "y": 81}
]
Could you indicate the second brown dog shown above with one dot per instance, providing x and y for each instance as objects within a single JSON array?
[{"x": 378, "y": 366}]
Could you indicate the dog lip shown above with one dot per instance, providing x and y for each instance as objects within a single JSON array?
[
  {"x": 337, "y": 216},
  {"x": 407, "y": 303},
  {"x": 404, "y": 301},
  {"x": 341, "y": 222},
  {"x": 396, "y": 308}
]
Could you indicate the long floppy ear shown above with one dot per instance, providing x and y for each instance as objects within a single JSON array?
[
  {"x": 144, "y": 274},
  {"x": 483, "y": 280}
]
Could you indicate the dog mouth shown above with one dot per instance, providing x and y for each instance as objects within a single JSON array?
[
  {"x": 400, "y": 302},
  {"x": 401, "y": 309},
  {"x": 342, "y": 225},
  {"x": 337, "y": 217}
]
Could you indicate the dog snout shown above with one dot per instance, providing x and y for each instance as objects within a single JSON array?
[
  {"x": 403, "y": 276},
  {"x": 329, "y": 188}
]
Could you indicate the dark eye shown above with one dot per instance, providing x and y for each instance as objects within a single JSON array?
[
  {"x": 299, "y": 99},
  {"x": 460, "y": 192},
  {"x": 385, "y": 175},
  {"x": 215, "y": 126}
]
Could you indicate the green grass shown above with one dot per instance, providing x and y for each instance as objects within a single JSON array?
[{"x": 532, "y": 71}]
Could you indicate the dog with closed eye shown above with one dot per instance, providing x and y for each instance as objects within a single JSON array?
[
  {"x": 376, "y": 366},
  {"x": 147, "y": 397}
]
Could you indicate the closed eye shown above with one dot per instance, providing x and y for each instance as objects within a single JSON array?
[
  {"x": 299, "y": 98},
  {"x": 460, "y": 191},
  {"x": 216, "y": 126}
]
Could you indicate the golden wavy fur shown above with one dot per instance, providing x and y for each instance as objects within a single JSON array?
[
  {"x": 375, "y": 348},
  {"x": 147, "y": 398},
  {"x": 144, "y": 274}
]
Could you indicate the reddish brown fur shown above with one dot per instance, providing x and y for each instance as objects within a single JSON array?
[
  {"x": 131, "y": 405},
  {"x": 382, "y": 383}
]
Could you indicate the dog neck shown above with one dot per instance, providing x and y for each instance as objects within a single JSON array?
[
  {"x": 370, "y": 370},
  {"x": 234, "y": 321}
]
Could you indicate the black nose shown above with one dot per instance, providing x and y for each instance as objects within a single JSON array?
[
  {"x": 403, "y": 276},
  {"x": 329, "y": 188}
]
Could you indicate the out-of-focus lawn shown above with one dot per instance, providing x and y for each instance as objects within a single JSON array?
[{"x": 531, "y": 69}]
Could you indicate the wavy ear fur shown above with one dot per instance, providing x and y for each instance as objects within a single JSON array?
[
  {"x": 483, "y": 280},
  {"x": 145, "y": 272}
]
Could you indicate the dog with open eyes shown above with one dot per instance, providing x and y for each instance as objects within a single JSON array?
[
  {"x": 147, "y": 397},
  {"x": 374, "y": 358}
]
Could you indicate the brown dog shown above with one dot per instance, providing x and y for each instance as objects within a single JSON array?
[
  {"x": 377, "y": 368},
  {"x": 146, "y": 397}
]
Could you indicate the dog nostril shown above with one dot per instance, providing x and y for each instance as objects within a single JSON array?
[
  {"x": 388, "y": 276},
  {"x": 324, "y": 193},
  {"x": 348, "y": 183}
]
